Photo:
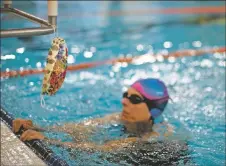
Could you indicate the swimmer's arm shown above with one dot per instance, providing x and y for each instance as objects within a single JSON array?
[
  {"x": 27, "y": 124},
  {"x": 169, "y": 130},
  {"x": 154, "y": 134},
  {"x": 107, "y": 147},
  {"x": 115, "y": 117},
  {"x": 89, "y": 124},
  {"x": 86, "y": 126},
  {"x": 118, "y": 144},
  {"x": 86, "y": 146},
  {"x": 77, "y": 131}
]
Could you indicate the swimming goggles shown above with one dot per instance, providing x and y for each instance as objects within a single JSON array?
[{"x": 134, "y": 99}]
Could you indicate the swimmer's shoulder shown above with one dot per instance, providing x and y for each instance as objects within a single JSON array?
[
  {"x": 107, "y": 119},
  {"x": 169, "y": 131},
  {"x": 163, "y": 128}
]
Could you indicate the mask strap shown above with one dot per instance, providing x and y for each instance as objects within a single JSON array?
[{"x": 42, "y": 101}]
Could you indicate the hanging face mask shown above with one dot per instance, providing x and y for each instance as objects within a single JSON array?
[{"x": 56, "y": 68}]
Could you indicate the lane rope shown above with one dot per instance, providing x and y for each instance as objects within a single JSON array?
[
  {"x": 183, "y": 10},
  {"x": 177, "y": 54}
]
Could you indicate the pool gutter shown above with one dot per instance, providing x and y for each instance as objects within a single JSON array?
[
  {"x": 15, "y": 152},
  {"x": 12, "y": 148}
]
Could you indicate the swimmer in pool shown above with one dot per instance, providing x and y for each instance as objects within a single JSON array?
[{"x": 142, "y": 103}]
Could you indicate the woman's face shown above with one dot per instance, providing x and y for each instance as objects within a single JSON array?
[{"x": 133, "y": 113}]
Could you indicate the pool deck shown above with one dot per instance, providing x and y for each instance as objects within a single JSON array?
[{"x": 15, "y": 152}]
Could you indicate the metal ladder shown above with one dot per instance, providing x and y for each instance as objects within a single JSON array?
[{"x": 46, "y": 27}]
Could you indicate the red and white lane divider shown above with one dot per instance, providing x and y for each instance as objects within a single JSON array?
[{"x": 177, "y": 54}]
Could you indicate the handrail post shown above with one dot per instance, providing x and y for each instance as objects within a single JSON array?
[
  {"x": 7, "y": 3},
  {"x": 52, "y": 12}
]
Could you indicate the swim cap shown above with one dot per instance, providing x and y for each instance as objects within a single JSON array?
[{"x": 155, "y": 92}]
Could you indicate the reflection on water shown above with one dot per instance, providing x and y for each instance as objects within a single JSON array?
[{"x": 161, "y": 153}]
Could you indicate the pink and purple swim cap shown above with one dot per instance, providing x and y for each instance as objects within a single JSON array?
[{"x": 155, "y": 92}]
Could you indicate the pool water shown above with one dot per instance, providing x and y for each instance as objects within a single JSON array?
[{"x": 196, "y": 84}]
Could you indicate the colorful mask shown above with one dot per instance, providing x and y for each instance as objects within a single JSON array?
[{"x": 56, "y": 67}]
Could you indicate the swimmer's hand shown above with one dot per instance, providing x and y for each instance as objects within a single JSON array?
[
  {"x": 31, "y": 135},
  {"x": 26, "y": 124},
  {"x": 18, "y": 123}
]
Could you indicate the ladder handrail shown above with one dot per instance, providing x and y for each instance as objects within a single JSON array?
[
  {"x": 46, "y": 27},
  {"x": 26, "y": 15}
]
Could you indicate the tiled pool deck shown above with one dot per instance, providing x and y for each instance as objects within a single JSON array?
[{"x": 15, "y": 152}]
